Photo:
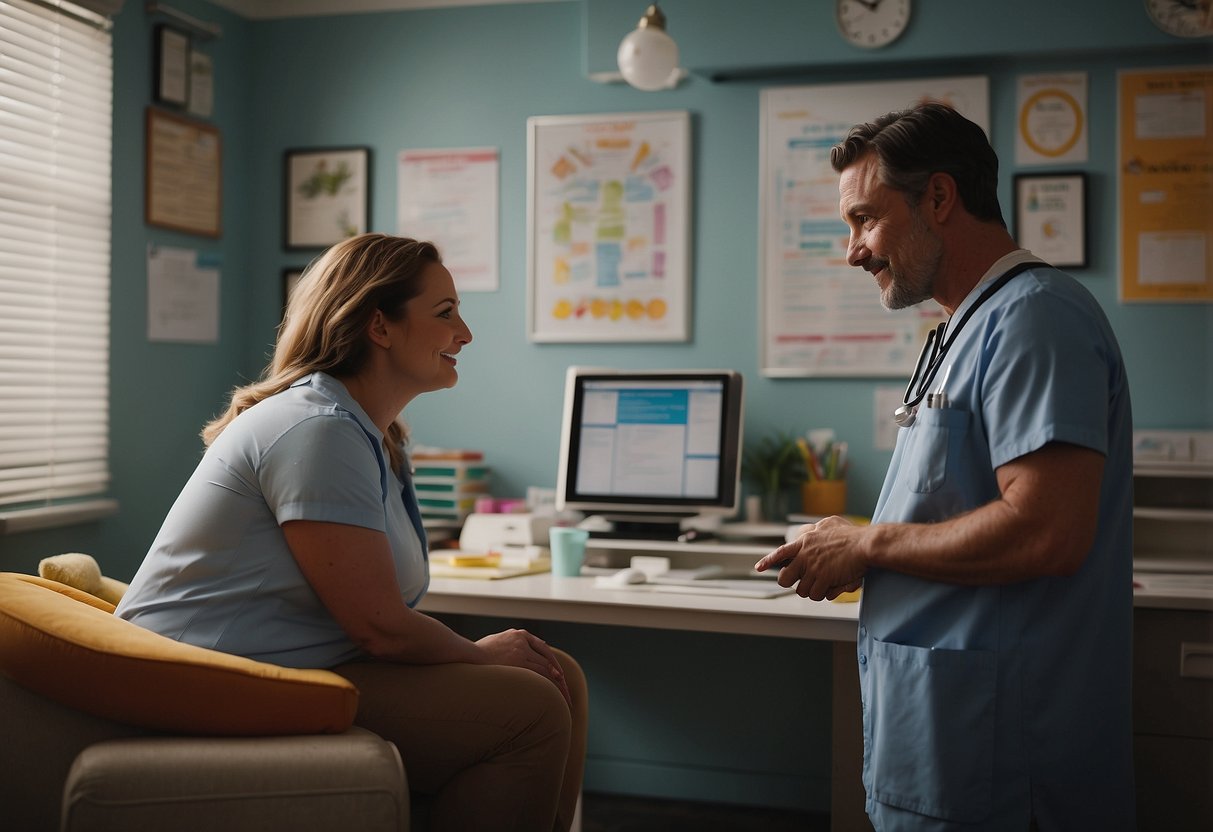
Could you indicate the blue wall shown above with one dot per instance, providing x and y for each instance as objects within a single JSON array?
[{"x": 471, "y": 76}]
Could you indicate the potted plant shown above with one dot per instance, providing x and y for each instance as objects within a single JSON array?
[{"x": 770, "y": 467}]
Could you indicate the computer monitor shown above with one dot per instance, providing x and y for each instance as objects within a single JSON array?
[{"x": 647, "y": 449}]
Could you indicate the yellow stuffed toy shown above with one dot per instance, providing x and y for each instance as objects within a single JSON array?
[{"x": 81, "y": 572}]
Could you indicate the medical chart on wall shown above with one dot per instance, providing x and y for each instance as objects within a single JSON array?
[
  {"x": 1166, "y": 185},
  {"x": 608, "y": 227},
  {"x": 821, "y": 317},
  {"x": 450, "y": 198}
]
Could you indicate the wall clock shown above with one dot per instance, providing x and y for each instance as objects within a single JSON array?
[
  {"x": 1182, "y": 18},
  {"x": 871, "y": 24}
]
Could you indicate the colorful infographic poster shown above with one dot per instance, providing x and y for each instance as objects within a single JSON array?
[
  {"x": 608, "y": 231},
  {"x": 1166, "y": 185}
]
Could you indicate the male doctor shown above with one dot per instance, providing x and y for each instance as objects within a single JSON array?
[{"x": 994, "y": 640}]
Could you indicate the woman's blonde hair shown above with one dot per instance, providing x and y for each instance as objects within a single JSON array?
[{"x": 324, "y": 328}]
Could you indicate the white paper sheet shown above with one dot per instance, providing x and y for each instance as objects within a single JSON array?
[{"x": 182, "y": 296}]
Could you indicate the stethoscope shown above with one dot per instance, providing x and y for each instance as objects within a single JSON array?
[{"x": 930, "y": 359}]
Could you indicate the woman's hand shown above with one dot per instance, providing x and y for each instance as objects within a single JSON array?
[{"x": 518, "y": 648}]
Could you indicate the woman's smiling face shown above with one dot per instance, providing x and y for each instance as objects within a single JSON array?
[{"x": 432, "y": 334}]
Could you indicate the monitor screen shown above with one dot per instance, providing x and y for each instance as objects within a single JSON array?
[{"x": 662, "y": 442}]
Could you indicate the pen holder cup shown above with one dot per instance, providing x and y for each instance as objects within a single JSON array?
[
  {"x": 568, "y": 550},
  {"x": 822, "y": 498}
]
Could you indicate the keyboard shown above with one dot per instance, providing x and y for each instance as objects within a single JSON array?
[
  {"x": 723, "y": 573},
  {"x": 742, "y": 588}
]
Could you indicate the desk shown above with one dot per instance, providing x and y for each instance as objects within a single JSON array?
[{"x": 577, "y": 600}]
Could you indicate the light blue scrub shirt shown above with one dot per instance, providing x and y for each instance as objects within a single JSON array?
[
  {"x": 220, "y": 574},
  {"x": 984, "y": 706}
]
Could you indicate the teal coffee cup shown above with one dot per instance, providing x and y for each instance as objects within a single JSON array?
[{"x": 568, "y": 550}]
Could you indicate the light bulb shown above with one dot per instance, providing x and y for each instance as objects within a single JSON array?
[{"x": 648, "y": 57}]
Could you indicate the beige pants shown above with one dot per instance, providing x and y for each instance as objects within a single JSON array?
[{"x": 495, "y": 747}]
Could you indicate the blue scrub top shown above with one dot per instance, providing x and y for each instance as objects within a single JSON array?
[
  {"x": 220, "y": 574},
  {"x": 988, "y": 704}
]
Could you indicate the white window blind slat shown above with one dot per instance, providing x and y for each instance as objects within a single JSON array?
[
  {"x": 70, "y": 23},
  {"x": 12, "y": 423},
  {"x": 82, "y": 244},
  {"x": 56, "y": 103},
  {"x": 66, "y": 309},
  {"x": 90, "y": 150},
  {"x": 13, "y": 481},
  {"x": 14, "y": 272},
  {"x": 12, "y": 439}
]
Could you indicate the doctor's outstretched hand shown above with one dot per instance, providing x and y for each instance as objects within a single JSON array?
[{"x": 824, "y": 561}]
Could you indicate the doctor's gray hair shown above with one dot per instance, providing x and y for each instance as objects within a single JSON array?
[{"x": 913, "y": 144}]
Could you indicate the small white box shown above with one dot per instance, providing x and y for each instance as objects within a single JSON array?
[
  {"x": 651, "y": 566},
  {"x": 498, "y": 532}
]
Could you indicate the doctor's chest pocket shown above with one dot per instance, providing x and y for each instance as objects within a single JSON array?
[{"x": 934, "y": 444}]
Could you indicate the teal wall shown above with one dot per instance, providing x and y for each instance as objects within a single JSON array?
[{"x": 471, "y": 76}]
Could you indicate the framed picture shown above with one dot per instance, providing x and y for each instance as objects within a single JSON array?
[
  {"x": 327, "y": 193},
  {"x": 608, "y": 225},
  {"x": 290, "y": 277},
  {"x": 183, "y": 174},
  {"x": 172, "y": 72},
  {"x": 1051, "y": 217}
]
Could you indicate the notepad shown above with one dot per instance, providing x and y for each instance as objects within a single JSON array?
[
  {"x": 486, "y": 566},
  {"x": 445, "y": 570}
]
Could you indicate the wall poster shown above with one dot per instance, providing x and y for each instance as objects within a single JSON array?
[
  {"x": 449, "y": 197},
  {"x": 182, "y": 175},
  {"x": 1051, "y": 217},
  {"x": 608, "y": 227},
  {"x": 327, "y": 195},
  {"x": 1166, "y": 184},
  {"x": 1052, "y": 123},
  {"x": 819, "y": 316}
]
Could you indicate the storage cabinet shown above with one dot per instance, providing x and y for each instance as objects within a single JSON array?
[
  {"x": 1173, "y": 634},
  {"x": 1173, "y": 719}
]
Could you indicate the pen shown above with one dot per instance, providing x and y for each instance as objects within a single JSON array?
[
  {"x": 939, "y": 398},
  {"x": 810, "y": 461}
]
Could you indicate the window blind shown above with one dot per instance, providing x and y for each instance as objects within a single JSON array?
[{"x": 56, "y": 86}]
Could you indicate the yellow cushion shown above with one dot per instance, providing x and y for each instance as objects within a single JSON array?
[
  {"x": 65, "y": 645},
  {"x": 82, "y": 572}
]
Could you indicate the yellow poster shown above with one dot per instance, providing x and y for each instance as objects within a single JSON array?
[{"x": 1166, "y": 185}]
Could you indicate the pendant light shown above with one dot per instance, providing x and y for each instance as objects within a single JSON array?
[{"x": 648, "y": 57}]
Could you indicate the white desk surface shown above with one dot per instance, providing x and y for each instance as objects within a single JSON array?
[{"x": 545, "y": 598}]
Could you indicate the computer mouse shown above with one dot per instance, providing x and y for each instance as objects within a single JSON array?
[{"x": 625, "y": 577}]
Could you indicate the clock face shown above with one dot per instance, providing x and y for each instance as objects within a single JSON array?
[
  {"x": 1183, "y": 18},
  {"x": 872, "y": 23}
]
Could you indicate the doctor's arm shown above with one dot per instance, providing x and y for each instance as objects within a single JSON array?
[
  {"x": 1043, "y": 523},
  {"x": 351, "y": 570}
]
